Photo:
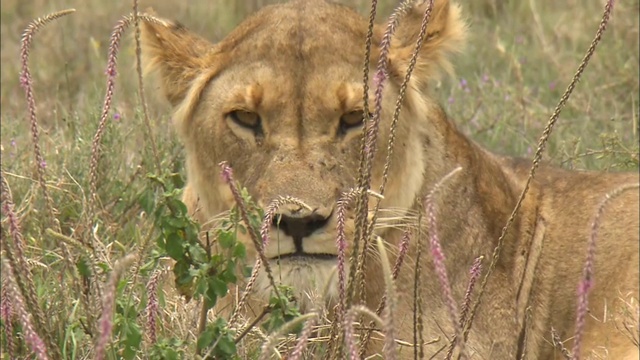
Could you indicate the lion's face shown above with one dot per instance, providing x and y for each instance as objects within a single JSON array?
[{"x": 281, "y": 100}]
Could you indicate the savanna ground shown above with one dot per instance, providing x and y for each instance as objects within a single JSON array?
[{"x": 520, "y": 57}]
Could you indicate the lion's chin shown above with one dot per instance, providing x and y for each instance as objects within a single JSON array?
[{"x": 312, "y": 278}]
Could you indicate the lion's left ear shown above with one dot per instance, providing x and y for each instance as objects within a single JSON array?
[{"x": 446, "y": 32}]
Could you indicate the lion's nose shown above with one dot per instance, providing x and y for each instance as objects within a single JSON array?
[{"x": 299, "y": 227}]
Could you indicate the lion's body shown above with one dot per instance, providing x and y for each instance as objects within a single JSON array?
[{"x": 298, "y": 67}]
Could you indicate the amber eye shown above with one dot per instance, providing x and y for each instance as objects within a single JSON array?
[
  {"x": 351, "y": 120},
  {"x": 247, "y": 119}
]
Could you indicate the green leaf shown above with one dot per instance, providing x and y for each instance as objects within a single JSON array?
[
  {"x": 226, "y": 345},
  {"x": 205, "y": 339},
  {"x": 171, "y": 222},
  {"x": 147, "y": 200},
  {"x": 240, "y": 251},
  {"x": 226, "y": 239},
  {"x": 174, "y": 246},
  {"x": 84, "y": 269},
  {"x": 133, "y": 337},
  {"x": 219, "y": 287}
]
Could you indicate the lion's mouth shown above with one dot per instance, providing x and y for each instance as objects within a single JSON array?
[{"x": 301, "y": 255}]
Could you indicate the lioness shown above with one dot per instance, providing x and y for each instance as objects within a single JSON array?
[{"x": 280, "y": 99}]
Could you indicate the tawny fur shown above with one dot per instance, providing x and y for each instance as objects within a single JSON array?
[{"x": 298, "y": 66}]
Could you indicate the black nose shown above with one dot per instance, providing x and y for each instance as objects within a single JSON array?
[{"x": 300, "y": 227}]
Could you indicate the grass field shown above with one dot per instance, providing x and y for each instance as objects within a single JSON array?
[{"x": 520, "y": 57}]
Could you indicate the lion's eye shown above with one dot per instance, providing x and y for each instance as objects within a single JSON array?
[
  {"x": 351, "y": 120},
  {"x": 247, "y": 119}
]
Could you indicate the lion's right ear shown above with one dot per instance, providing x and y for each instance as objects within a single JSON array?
[
  {"x": 445, "y": 34},
  {"x": 177, "y": 54}
]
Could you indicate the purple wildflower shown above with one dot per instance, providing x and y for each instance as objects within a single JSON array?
[
  {"x": 439, "y": 258},
  {"x": 6, "y": 314},
  {"x": 341, "y": 243},
  {"x": 151, "y": 310},
  {"x": 296, "y": 354},
  {"x": 474, "y": 274}
]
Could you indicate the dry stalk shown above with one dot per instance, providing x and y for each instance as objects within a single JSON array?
[
  {"x": 558, "y": 344},
  {"x": 227, "y": 174},
  {"x": 538, "y": 157},
  {"x": 361, "y": 200},
  {"x": 143, "y": 101},
  {"x": 27, "y": 83},
  {"x": 373, "y": 126}
]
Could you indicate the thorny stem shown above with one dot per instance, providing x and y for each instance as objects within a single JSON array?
[
  {"x": 557, "y": 343},
  {"x": 143, "y": 101},
  {"x": 474, "y": 273},
  {"x": 247, "y": 291},
  {"x": 265, "y": 310},
  {"x": 341, "y": 243},
  {"x": 370, "y": 142},
  {"x": 382, "y": 72},
  {"x": 418, "y": 340},
  {"x": 227, "y": 174},
  {"x": 400, "y": 99},
  {"x": 537, "y": 158},
  {"x": 361, "y": 200}
]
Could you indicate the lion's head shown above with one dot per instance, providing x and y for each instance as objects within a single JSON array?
[{"x": 281, "y": 100}]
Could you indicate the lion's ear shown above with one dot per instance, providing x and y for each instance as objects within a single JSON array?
[
  {"x": 177, "y": 54},
  {"x": 445, "y": 34}
]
